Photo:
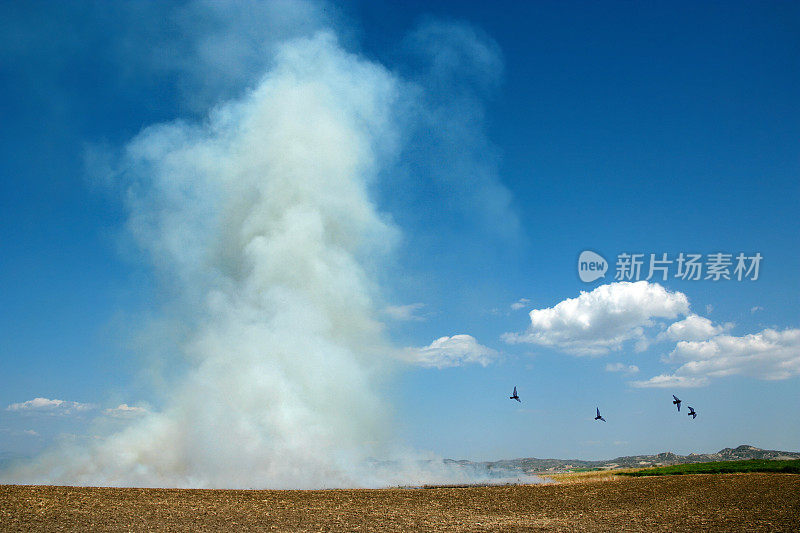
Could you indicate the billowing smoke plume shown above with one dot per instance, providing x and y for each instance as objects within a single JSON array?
[
  {"x": 260, "y": 220},
  {"x": 260, "y": 217}
]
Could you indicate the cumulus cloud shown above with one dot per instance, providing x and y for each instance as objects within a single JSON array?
[
  {"x": 620, "y": 367},
  {"x": 602, "y": 320},
  {"x": 451, "y": 351},
  {"x": 768, "y": 354},
  {"x": 404, "y": 312},
  {"x": 45, "y": 405},
  {"x": 693, "y": 328}
]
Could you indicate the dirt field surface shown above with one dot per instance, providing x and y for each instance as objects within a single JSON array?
[{"x": 727, "y": 502}]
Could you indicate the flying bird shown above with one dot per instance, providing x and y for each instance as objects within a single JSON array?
[
  {"x": 692, "y": 412},
  {"x": 677, "y": 402},
  {"x": 598, "y": 417},
  {"x": 514, "y": 396}
]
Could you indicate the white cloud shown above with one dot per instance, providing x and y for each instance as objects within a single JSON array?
[
  {"x": 36, "y": 403},
  {"x": 404, "y": 312},
  {"x": 50, "y": 406},
  {"x": 620, "y": 367},
  {"x": 769, "y": 354},
  {"x": 519, "y": 304},
  {"x": 669, "y": 381},
  {"x": 709, "y": 309},
  {"x": 602, "y": 320},
  {"x": 693, "y": 328},
  {"x": 19, "y": 433},
  {"x": 755, "y": 309},
  {"x": 125, "y": 411},
  {"x": 451, "y": 351}
]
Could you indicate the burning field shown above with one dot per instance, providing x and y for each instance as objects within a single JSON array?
[{"x": 735, "y": 502}]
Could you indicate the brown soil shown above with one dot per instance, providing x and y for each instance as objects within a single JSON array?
[{"x": 729, "y": 502}]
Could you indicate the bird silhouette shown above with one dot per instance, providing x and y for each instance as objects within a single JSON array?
[
  {"x": 692, "y": 412},
  {"x": 677, "y": 402},
  {"x": 598, "y": 417},
  {"x": 514, "y": 396}
]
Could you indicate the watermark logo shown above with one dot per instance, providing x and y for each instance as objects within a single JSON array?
[
  {"x": 591, "y": 266},
  {"x": 632, "y": 266}
]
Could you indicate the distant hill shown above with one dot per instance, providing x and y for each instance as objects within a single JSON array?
[{"x": 532, "y": 465}]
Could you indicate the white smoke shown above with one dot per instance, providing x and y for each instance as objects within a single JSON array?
[
  {"x": 260, "y": 217},
  {"x": 260, "y": 220}
]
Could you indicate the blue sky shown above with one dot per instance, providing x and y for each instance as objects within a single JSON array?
[{"x": 523, "y": 134}]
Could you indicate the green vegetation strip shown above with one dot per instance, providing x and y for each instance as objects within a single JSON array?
[{"x": 721, "y": 467}]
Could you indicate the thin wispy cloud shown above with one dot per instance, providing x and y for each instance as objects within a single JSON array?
[
  {"x": 125, "y": 411},
  {"x": 522, "y": 303},
  {"x": 404, "y": 313},
  {"x": 46, "y": 405},
  {"x": 667, "y": 381},
  {"x": 620, "y": 367},
  {"x": 20, "y": 432}
]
